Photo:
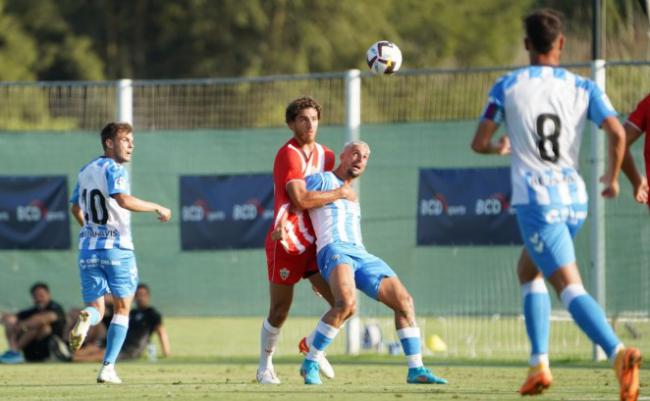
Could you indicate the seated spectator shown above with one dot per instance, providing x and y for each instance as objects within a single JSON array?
[
  {"x": 144, "y": 320},
  {"x": 34, "y": 334}
]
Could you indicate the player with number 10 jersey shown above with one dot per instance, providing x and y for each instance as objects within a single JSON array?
[{"x": 101, "y": 204}]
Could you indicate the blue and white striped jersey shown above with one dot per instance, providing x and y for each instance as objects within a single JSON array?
[
  {"x": 106, "y": 224},
  {"x": 338, "y": 221},
  {"x": 544, "y": 109}
]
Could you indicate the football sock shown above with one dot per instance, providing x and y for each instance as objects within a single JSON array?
[
  {"x": 410, "y": 339},
  {"x": 537, "y": 314},
  {"x": 268, "y": 340},
  {"x": 115, "y": 338},
  {"x": 94, "y": 315},
  {"x": 323, "y": 337},
  {"x": 590, "y": 317}
]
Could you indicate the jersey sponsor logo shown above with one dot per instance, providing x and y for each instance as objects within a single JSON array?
[
  {"x": 199, "y": 211},
  {"x": 37, "y": 211},
  {"x": 284, "y": 273}
]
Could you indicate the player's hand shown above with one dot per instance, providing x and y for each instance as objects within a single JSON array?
[
  {"x": 611, "y": 187},
  {"x": 641, "y": 191},
  {"x": 503, "y": 146},
  {"x": 164, "y": 214},
  {"x": 348, "y": 193}
]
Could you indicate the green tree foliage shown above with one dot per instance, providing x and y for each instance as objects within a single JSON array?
[
  {"x": 62, "y": 55},
  {"x": 72, "y": 39},
  {"x": 17, "y": 49}
]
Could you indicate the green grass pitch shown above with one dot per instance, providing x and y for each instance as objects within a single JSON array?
[{"x": 210, "y": 362}]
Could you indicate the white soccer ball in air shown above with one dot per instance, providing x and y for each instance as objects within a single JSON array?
[{"x": 384, "y": 57}]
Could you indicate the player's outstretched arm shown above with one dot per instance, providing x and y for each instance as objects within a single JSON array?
[
  {"x": 482, "y": 142},
  {"x": 134, "y": 204},
  {"x": 615, "y": 155},
  {"x": 303, "y": 199},
  {"x": 639, "y": 182},
  {"x": 77, "y": 214}
]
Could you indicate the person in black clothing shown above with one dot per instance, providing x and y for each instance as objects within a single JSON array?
[
  {"x": 144, "y": 320},
  {"x": 35, "y": 334}
]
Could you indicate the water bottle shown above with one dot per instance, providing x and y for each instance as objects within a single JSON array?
[{"x": 152, "y": 353}]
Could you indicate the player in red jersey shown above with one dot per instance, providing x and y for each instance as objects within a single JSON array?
[
  {"x": 636, "y": 125},
  {"x": 292, "y": 255}
]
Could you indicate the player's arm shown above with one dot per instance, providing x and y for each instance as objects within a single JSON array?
[
  {"x": 615, "y": 154},
  {"x": 638, "y": 181},
  {"x": 482, "y": 142},
  {"x": 164, "y": 339},
  {"x": 134, "y": 204},
  {"x": 78, "y": 215},
  {"x": 75, "y": 210},
  {"x": 303, "y": 199}
]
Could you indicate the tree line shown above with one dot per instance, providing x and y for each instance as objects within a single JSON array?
[{"x": 162, "y": 39}]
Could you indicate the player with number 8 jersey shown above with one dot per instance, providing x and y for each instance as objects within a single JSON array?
[
  {"x": 544, "y": 108},
  {"x": 101, "y": 204}
]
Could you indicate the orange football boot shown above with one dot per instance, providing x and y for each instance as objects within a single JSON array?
[
  {"x": 626, "y": 365},
  {"x": 539, "y": 379}
]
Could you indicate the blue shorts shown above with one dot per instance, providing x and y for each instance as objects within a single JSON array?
[
  {"x": 548, "y": 232},
  {"x": 107, "y": 270},
  {"x": 368, "y": 269}
]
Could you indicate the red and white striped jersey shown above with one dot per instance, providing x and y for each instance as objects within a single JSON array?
[{"x": 292, "y": 164}]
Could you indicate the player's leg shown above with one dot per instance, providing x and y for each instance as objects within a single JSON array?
[
  {"x": 341, "y": 281},
  {"x": 94, "y": 285},
  {"x": 321, "y": 288},
  {"x": 281, "y": 296},
  {"x": 391, "y": 292},
  {"x": 537, "y": 313},
  {"x": 122, "y": 274},
  {"x": 282, "y": 277}
]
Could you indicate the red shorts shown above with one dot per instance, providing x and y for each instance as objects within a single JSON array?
[{"x": 284, "y": 268}]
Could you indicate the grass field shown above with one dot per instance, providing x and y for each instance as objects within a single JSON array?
[{"x": 216, "y": 359}]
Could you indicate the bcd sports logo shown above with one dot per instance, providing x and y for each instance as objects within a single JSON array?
[
  {"x": 493, "y": 205},
  {"x": 200, "y": 211},
  {"x": 250, "y": 210},
  {"x": 438, "y": 205},
  {"x": 37, "y": 211}
]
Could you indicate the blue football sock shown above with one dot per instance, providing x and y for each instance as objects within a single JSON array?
[
  {"x": 115, "y": 338},
  {"x": 324, "y": 336},
  {"x": 411, "y": 344},
  {"x": 590, "y": 317},
  {"x": 537, "y": 314}
]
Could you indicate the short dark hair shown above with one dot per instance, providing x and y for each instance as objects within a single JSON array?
[
  {"x": 143, "y": 286},
  {"x": 298, "y": 105},
  {"x": 543, "y": 27},
  {"x": 38, "y": 285},
  {"x": 111, "y": 130}
]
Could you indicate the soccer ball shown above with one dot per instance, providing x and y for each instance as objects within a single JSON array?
[{"x": 384, "y": 57}]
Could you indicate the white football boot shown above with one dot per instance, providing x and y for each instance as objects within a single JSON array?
[
  {"x": 267, "y": 376},
  {"x": 79, "y": 331},
  {"x": 107, "y": 374}
]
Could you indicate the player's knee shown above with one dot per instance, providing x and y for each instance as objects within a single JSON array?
[
  {"x": 277, "y": 316},
  {"x": 345, "y": 308}
]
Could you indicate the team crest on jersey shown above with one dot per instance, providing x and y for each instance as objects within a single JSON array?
[
  {"x": 120, "y": 183},
  {"x": 284, "y": 273}
]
